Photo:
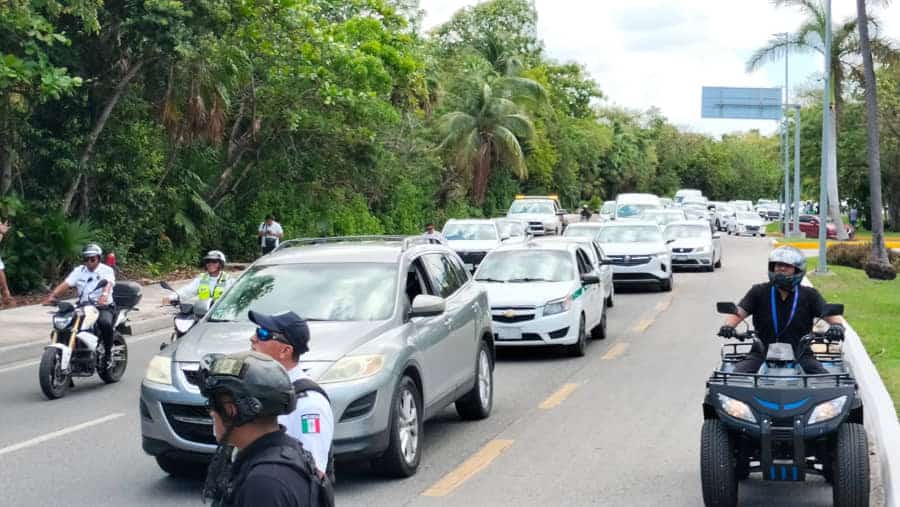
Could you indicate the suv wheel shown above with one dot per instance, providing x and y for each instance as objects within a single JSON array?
[
  {"x": 401, "y": 459},
  {"x": 477, "y": 403}
]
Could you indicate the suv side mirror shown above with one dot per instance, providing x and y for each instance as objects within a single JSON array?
[
  {"x": 201, "y": 307},
  {"x": 590, "y": 279},
  {"x": 727, "y": 307},
  {"x": 504, "y": 237},
  {"x": 427, "y": 306}
]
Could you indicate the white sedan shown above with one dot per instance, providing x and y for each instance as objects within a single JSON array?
[
  {"x": 543, "y": 293},
  {"x": 747, "y": 222},
  {"x": 693, "y": 245}
]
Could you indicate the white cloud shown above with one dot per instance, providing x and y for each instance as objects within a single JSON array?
[{"x": 660, "y": 53}]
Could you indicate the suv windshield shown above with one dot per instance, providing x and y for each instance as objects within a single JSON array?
[
  {"x": 633, "y": 210},
  {"x": 743, "y": 215},
  {"x": 582, "y": 232},
  {"x": 532, "y": 206},
  {"x": 336, "y": 292},
  {"x": 527, "y": 266},
  {"x": 687, "y": 231},
  {"x": 470, "y": 232},
  {"x": 636, "y": 234}
]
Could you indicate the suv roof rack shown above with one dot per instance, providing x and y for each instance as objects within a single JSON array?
[{"x": 406, "y": 242}]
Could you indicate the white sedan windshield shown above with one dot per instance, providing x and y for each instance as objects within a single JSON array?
[
  {"x": 526, "y": 206},
  {"x": 527, "y": 266},
  {"x": 687, "y": 231},
  {"x": 637, "y": 234},
  {"x": 469, "y": 232}
]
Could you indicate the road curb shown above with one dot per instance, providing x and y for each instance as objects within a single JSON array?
[{"x": 880, "y": 415}]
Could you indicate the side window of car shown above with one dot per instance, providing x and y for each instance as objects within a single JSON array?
[
  {"x": 584, "y": 265},
  {"x": 443, "y": 280},
  {"x": 416, "y": 282},
  {"x": 458, "y": 268}
]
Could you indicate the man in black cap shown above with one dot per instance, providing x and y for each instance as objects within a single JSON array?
[
  {"x": 245, "y": 394},
  {"x": 285, "y": 337}
]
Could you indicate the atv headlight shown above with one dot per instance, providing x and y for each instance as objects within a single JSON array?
[
  {"x": 160, "y": 370},
  {"x": 557, "y": 306},
  {"x": 353, "y": 368},
  {"x": 62, "y": 322},
  {"x": 828, "y": 410},
  {"x": 736, "y": 409}
]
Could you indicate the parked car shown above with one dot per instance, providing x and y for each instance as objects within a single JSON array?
[
  {"x": 693, "y": 245},
  {"x": 664, "y": 217},
  {"x": 638, "y": 253},
  {"x": 809, "y": 225},
  {"x": 398, "y": 332},
  {"x": 543, "y": 214},
  {"x": 747, "y": 222},
  {"x": 543, "y": 293},
  {"x": 472, "y": 239},
  {"x": 583, "y": 229},
  {"x": 600, "y": 262},
  {"x": 769, "y": 211},
  {"x": 722, "y": 213}
]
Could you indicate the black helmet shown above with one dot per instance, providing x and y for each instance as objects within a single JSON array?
[
  {"x": 91, "y": 250},
  {"x": 259, "y": 385},
  {"x": 215, "y": 255},
  {"x": 791, "y": 256}
]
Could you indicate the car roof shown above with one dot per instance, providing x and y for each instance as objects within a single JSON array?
[
  {"x": 347, "y": 250},
  {"x": 535, "y": 244}
]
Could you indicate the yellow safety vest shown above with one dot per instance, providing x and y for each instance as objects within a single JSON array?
[{"x": 203, "y": 289}]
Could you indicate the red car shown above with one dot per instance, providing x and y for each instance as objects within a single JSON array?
[{"x": 809, "y": 225}]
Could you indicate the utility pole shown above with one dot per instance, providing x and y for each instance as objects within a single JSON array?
[
  {"x": 786, "y": 140},
  {"x": 826, "y": 134},
  {"x": 796, "y": 227}
]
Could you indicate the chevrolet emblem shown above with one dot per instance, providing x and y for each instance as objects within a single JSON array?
[{"x": 509, "y": 314}]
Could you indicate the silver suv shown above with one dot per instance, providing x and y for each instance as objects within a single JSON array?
[{"x": 399, "y": 331}]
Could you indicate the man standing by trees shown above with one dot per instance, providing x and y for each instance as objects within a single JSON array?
[
  {"x": 270, "y": 234},
  {"x": 4, "y": 289}
]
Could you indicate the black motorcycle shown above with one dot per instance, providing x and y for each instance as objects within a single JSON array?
[{"x": 75, "y": 348}]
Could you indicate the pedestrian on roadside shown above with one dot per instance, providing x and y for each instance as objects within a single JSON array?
[
  {"x": 285, "y": 337},
  {"x": 4, "y": 288},
  {"x": 854, "y": 216},
  {"x": 432, "y": 234},
  {"x": 270, "y": 234},
  {"x": 256, "y": 463}
]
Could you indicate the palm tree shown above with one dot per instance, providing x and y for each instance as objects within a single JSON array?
[
  {"x": 489, "y": 129},
  {"x": 878, "y": 266},
  {"x": 810, "y": 36}
]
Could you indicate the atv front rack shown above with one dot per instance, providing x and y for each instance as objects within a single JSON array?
[{"x": 758, "y": 379}]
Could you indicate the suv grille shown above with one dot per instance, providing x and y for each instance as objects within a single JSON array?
[
  {"x": 190, "y": 422},
  {"x": 629, "y": 260}
]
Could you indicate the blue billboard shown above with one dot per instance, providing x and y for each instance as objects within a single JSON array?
[{"x": 741, "y": 103}]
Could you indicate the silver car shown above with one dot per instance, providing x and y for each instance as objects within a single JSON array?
[{"x": 399, "y": 331}]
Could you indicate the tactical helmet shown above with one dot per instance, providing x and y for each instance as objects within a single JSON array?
[
  {"x": 259, "y": 385},
  {"x": 215, "y": 255},
  {"x": 791, "y": 256},
  {"x": 91, "y": 250}
]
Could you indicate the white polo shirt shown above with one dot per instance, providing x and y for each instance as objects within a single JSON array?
[
  {"x": 85, "y": 281},
  {"x": 312, "y": 422},
  {"x": 270, "y": 231}
]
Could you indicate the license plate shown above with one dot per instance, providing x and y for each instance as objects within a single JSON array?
[
  {"x": 509, "y": 333},
  {"x": 680, "y": 257}
]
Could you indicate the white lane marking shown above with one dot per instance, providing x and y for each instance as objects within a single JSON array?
[
  {"x": 26, "y": 364},
  {"x": 50, "y": 436},
  {"x": 23, "y": 345}
]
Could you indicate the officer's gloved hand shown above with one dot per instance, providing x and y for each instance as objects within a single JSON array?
[
  {"x": 835, "y": 333},
  {"x": 727, "y": 332}
]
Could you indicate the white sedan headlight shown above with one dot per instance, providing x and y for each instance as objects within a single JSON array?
[
  {"x": 737, "y": 409},
  {"x": 351, "y": 368},
  {"x": 828, "y": 410},
  {"x": 160, "y": 370},
  {"x": 558, "y": 306},
  {"x": 700, "y": 249}
]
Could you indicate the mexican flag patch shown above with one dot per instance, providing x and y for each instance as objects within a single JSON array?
[{"x": 310, "y": 423}]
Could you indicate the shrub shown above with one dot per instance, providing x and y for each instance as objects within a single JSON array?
[{"x": 857, "y": 256}]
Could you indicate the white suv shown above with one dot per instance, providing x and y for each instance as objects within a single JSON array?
[{"x": 638, "y": 253}]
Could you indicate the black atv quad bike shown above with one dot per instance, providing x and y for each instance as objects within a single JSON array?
[{"x": 783, "y": 423}]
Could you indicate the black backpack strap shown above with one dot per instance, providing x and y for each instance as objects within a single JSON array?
[{"x": 301, "y": 386}]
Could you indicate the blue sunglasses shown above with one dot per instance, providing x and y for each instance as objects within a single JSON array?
[{"x": 264, "y": 335}]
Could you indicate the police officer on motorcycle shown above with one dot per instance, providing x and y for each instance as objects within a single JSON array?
[
  {"x": 585, "y": 213},
  {"x": 210, "y": 284},
  {"x": 782, "y": 310},
  {"x": 86, "y": 279},
  {"x": 245, "y": 394}
]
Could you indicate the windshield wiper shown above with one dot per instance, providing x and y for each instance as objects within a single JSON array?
[
  {"x": 517, "y": 280},
  {"x": 489, "y": 280}
]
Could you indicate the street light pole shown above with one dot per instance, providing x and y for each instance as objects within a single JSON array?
[
  {"x": 826, "y": 135},
  {"x": 787, "y": 141},
  {"x": 796, "y": 227}
]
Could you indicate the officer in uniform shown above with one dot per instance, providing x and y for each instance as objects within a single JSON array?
[
  {"x": 256, "y": 463},
  {"x": 285, "y": 337},
  {"x": 210, "y": 284},
  {"x": 86, "y": 280},
  {"x": 782, "y": 310}
]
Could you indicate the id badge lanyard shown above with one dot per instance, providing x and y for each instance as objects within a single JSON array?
[{"x": 790, "y": 317}]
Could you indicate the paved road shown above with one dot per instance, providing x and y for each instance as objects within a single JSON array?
[{"x": 620, "y": 426}]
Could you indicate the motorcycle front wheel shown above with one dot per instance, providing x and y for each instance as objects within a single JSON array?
[
  {"x": 114, "y": 373},
  {"x": 54, "y": 383}
]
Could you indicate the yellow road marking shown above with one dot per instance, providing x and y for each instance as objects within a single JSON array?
[
  {"x": 558, "y": 397},
  {"x": 616, "y": 351},
  {"x": 642, "y": 325},
  {"x": 478, "y": 462},
  {"x": 663, "y": 305}
]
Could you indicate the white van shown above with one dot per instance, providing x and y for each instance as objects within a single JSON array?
[
  {"x": 684, "y": 193},
  {"x": 634, "y": 205}
]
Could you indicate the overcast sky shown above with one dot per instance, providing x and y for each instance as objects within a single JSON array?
[{"x": 661, "y": 53}]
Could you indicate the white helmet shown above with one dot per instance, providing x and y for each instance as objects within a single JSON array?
[
  {"x": 91, "y": 250},
  {"x": 215, "y": 255}
]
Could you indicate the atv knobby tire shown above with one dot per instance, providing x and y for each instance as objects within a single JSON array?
[
  {"x": 851, "y": 466},
  {"x": 717, "y": 465}
]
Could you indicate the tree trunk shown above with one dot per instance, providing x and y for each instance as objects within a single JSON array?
[
  {"x": 834, "y": 202},
  {"x": 88, "y": 151},
  {"x": 879, "y": 253}
]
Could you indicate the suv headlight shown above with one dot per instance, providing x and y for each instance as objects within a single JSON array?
[
  {"x": 557, "y": 306},
  {"x": 353, "y": 368},
  {"x": 828, "y": 410},
  {"x": 736, "y": 409},
  {"x": 160, "y": 370},
  {"x": 62, "y": 322}
]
